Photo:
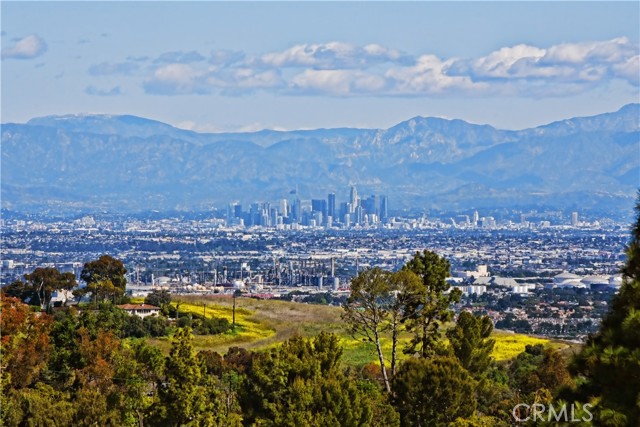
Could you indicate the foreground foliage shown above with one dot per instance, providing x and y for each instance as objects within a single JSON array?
[{"x": 86, "y": 368}]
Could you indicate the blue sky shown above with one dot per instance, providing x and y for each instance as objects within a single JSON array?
[{"x": 227, "y": 66}]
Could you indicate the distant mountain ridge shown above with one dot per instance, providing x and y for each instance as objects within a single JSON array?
[{"x": 128, "y": 163}]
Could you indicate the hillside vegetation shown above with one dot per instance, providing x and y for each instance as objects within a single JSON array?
[{"x": 264, "y": 323}]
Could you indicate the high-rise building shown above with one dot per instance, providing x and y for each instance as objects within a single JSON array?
[
  {"x": 574, "y": 218},
  {"x": 384, "y": 208},
  {"x": 296, "y": 211},
  {"x": 237, "y": 210},
  {"x": 284, "y": 208},
  {"x": 370, "y": 205},
  {"x": 319, "y": 205},
  {"x": 331, "y": 208},
  {"x": 344, "y": 209},
  {"x": 354, "y": 200},
  {"x": 359, "y": 215}
]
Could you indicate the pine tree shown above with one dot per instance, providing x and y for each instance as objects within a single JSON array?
[
  {"x": 430, "y": 307},
  {"x": 471, "y": 343},
  {"x": 608, "y": 368}
]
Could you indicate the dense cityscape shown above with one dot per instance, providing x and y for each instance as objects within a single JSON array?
[{"x": 549, "y": 273}]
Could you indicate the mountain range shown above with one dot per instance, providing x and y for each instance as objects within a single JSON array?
[{"x": 126, "y": 163}]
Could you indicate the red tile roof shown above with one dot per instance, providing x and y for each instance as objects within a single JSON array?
[{"x": 138, "y": 307}]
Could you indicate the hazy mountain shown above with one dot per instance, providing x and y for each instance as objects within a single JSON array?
[{"x": 128, "y": 163}]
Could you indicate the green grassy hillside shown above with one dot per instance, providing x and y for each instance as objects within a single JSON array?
[{"x": 264, "y": 323}]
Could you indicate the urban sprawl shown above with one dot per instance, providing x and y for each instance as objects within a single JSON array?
[{"x": 547, "y": 273}]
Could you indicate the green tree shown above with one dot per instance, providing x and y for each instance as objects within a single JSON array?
[
  {"x": 366, "y": 311},
  {"x": 18, "y": 289},
  {"x": 44, "y": 281},
  {"x": 471, "y": 342},
  {"x": 301, "y": 383},
  {"x": 181, "y": 397},
  {"x": 138, "y": 369},
  {"x": 108, "y": 272},
  {"x": 404, "y": 285},
  {"x": 40, "y": 406},
  {"x": 103, "y": 291},
  {"x": 433, "y": 392},
  {"x": 158, "y": 297},
  {"x": 431, "y": 306},
  {"x": 607, "y": 369}
]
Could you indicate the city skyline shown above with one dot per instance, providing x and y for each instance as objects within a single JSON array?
[
  {"x": 312, "y": 211},
  {"x": 220, "y": 66}
]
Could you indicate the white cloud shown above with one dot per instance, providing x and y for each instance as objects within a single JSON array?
[
  {"x": 343, "y": 69},
  {"x": 28, "y": 47},
  {"x": 600, "y": 51},
  {"x": 508, "y": 62},
  {"x": 176, "y": 79},
  {"x": 629, "y": 70},
  {"x": 428, "y": 77},
  {"x": 331, "y": 55},
  {"x": 336, "y": 82}
]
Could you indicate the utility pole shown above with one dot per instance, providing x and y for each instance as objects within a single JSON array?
[{"x": 233, "y": 313}]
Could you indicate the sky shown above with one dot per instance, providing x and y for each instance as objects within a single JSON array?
[{"x": 245, "y": 66}]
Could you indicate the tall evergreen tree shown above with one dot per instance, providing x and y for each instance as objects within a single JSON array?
[
  {"x": 433, "y": 392},
  {"x": 608, "y": 367},
  {"x": 431, "y": 306},
  {"x": 181, "y": 398},
  {"x": 471, "y": 342}
]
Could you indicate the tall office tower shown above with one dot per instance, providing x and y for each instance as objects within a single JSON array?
[
  {"x": 369, "y": 205},
  {"x": 231, "y": 212},
  {"x": 237, "y": 210},
  {"x": 384, "y": 208},
  {"x": 255, "y": 213},
  {"x": 284, "y": 208},
  {"x": 574, "y": 218},
  {"x": 354, "y": 197},
  {"x": 359, "y": 215},
  {"x": 476, "y": 217},
  {"x": 331, "y": 208},
  {"x": 344, "y": 209},
  {"x": 296, "y": 211},
  {"x": 319, "y": 205}
]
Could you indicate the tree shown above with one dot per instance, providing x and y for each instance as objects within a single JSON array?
[
  {"x": 470, "y": 342},
  {"x": 25, "y": 342},
  {"x": 301, "y": 383},
  {"x": 158, "y": 297},
  {"x": 105, "y": 269},
  {"x": 366, "y": 311},
  {"x": 181, "y": 397},
  {"x": 608, "y": 367},
  {"x": 404, "y": 285},
  {"x": 430, "y": 306},
  {"x": 44, "y": 281},
  {"x": 17, "y": 289},
  {"x": 40, "y": 406},
  {"x": 433, "y": 392},
  {"x": 103, "y": 290}
]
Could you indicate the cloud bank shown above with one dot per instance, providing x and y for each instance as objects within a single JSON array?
[
  {"x": 31, "y": 46},
  {"x": 341, "y": 69}
]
